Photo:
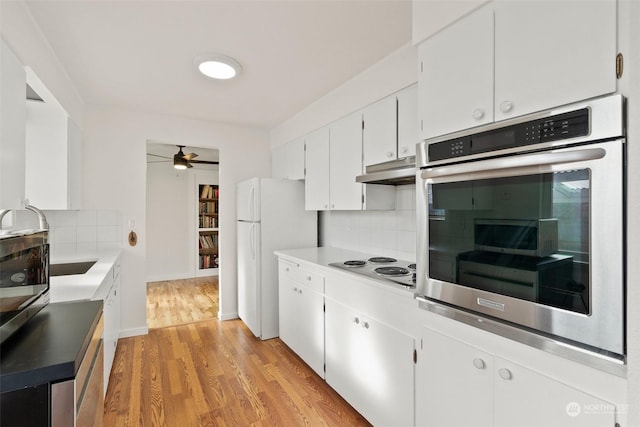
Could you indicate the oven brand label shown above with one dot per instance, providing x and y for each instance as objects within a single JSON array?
[{"x": 490, "y": 304}]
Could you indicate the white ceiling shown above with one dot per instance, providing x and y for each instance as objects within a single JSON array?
[{"x": 139, "y": 54}]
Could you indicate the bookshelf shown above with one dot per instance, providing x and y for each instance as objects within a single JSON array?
[{"x": 207, "y": 228}]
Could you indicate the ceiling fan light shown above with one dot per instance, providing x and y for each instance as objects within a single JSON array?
[
  {"x": 218, "y": 66},
  {"x": 179, "y": 162}
]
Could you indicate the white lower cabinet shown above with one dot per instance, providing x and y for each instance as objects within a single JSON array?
[
  {"x": 370, "y": 364},
  {"x": 301, "y": 313},
  {"x": 460, "y": 385},
  {"x": 111, "y": 312}
]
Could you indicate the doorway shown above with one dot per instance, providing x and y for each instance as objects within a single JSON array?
[{"x": 179, "y": 288}]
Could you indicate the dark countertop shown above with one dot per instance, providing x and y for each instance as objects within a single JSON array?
[{"x": 50, "y": 346}]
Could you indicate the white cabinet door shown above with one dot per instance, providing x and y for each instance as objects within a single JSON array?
[
  {"x": 370, "y": 364},
  {"x": 301, "y": 313},
  {"x": 408, "y": 121},
  {"x": 380, "y": 131},
  {"x": 13, "y": 110},
  {"x": 111, "y": 328},
  {"x": 287, "y": 161},
  {"x": 454, "y": 384},
  {"x": 552, "y": 53},
  {"x": 456, "y": 76},
  {"x": 310, "y": 306},
  {"x": 289, "y": 325},
  {"x": 316, "y": 183},
  {"x": 525, "y": 398},
  {"x": 345, "y": 162}
]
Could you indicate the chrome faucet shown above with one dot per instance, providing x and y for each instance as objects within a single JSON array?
[
  {"x": 42, "y": 219},
  {"x": 3, "y": 212}
]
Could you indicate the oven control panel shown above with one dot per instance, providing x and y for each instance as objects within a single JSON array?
[{"x": 558, "y": 127}]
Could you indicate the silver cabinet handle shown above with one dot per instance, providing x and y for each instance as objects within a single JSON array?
[
  {"x": 356, "y": 321},
  {"x": 479, "y": 363},
  {"x": 365, "y": 325},
  {"x": 505, "y": 374}
]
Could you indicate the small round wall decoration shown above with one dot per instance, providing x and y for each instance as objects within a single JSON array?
[{"x": 133, "y": 238}]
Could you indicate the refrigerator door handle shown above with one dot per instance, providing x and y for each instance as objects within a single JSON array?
[
  {"x": 252, "y": 241},
  {"x": 252, "y": 203}
]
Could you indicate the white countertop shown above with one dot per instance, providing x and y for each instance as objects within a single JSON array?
[
  {"x": 324, "y": 256},
  {"x": 83, "y": 286}
]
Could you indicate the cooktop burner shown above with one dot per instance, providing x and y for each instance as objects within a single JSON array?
[
  {"x": 355, "y": 263},
  {"x": 392, "y": 271},
  {"x": 386, "y": 269},
  {"x": 382, "y": 260}
]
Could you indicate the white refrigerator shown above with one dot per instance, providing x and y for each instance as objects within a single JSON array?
[{"x": 270, "y": 217}]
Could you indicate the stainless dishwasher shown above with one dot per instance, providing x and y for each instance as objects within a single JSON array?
[{"x": 79, "y": 402}]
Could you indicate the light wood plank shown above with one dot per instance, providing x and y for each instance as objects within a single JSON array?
[
  {"x": 217, "y": 373},
  {"x": 177, "y": 302}
]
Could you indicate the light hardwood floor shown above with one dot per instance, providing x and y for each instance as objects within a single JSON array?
[
  {"x": 214, "y": 373},
  {"x": 176, "y": 302}
]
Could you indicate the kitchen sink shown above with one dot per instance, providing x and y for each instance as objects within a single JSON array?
[{"x": 70, "y": 268}]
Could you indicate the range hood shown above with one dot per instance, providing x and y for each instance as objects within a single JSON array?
[{"x": 395, "y": 172}]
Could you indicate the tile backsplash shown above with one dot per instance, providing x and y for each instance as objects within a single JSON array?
[
  {"x": 78, "y": 233},
  {"x": 385, "y": 233}
]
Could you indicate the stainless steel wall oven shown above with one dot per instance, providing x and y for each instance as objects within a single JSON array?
[{"x": 522, "y": 223}]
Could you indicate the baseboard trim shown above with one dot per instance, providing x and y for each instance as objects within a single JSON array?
[
  {"x": 134, "y": 332},
  {"x": 228, "y": 316}
]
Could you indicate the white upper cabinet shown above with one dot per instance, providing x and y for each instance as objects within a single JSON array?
[
  {"x": 13, "y": 113},
  {"x": 552, "y": 53},
  {"x": 512, "y": 58},
  {"x": 456, "y": 76},
  {"x": 333, "y": 157},
  {"x": 391, "y": 127},
  {"x": 380, "y": 131},
  {"x": 316, "y": 183},
  {"x": 287, "y": 161},
  {"x": 345, "y": 162},
  {"x": 408, "y": 121},
  {"x": 429, "y": 17}
]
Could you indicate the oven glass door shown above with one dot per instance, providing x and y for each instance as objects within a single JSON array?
[
  {"x": 489, "y": 234},
  {"x": 24, "y": 276},
  {"x": 535, "y": 239}
]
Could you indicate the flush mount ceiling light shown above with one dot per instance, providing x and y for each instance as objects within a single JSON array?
[{"x": 217, "y": 66}]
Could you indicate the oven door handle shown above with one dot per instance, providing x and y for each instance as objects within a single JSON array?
[{"x": 505, "y": 166}]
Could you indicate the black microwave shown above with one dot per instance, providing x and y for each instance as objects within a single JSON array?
[{"x": 24, "y": 278}]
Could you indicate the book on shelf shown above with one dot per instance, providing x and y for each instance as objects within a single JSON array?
[
  {"x": 208, "y": 261},
  {"x": 208, "y": 241},
  {"x": 208, "y": 207},
  {"x": 208, "y": 191},
  {"x": 207, "y": 221}
]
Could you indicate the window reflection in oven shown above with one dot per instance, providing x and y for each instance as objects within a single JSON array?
[{"x": 522, "y": 236}]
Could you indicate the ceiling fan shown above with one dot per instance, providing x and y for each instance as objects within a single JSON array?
[{"x": 184, "y": 161}]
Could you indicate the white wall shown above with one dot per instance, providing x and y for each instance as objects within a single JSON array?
[
  {"x": 24, "y": 37},
  {"x": 114, "y": 176},
  {"x": 395, "y": 72},
  {"x": 384, "y": 233},
  {"x": 172, "y": 220}
]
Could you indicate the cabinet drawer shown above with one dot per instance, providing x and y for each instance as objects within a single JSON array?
[{"x": 301, "y": 275}]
